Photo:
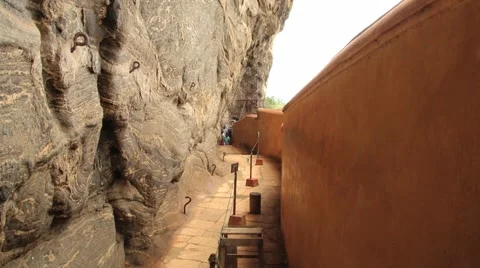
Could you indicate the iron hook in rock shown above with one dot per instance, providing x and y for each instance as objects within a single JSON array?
[
  {"x": 224, "y": 154},
  {"x": 78, "y": 41},
  {"x": 185, "y": 206},
  {"x": 135, "y": 66},
  {"x": 192, "y": 85},
  {"x": 214, "y": 167}
]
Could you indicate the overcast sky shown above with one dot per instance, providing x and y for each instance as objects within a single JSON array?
[{"x": 314, "y": 33}]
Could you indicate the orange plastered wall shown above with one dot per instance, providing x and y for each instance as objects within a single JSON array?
[{"x": 381, "y": 151}]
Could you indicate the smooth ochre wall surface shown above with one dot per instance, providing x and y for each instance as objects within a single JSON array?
[
  {"x": 244, "y": 132},
  {"x": 269, "y": 126},
  {"x": 381, "y": 151},
  {"x": 268, "y": 122}
]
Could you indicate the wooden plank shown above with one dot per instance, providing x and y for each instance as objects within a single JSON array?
[
  {"x": 234, "y": 242},
  {"x": 231, "y": 262},
  {"x": 244, "y": 256},
  {"x": 261, "y": 258},
  {"x": 222, "y": 256},
  {"x": 242, "y": 230}
]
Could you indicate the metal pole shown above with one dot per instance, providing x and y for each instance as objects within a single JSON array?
[
  {"x": 250, "y": 165},
  {"x": 258, "y": 144},
  {"x": 251, "y": 152},
  {"x": 235, "y": 194}
]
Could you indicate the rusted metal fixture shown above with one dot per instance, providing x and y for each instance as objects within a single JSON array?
[
  {"x": 250, "y": 161},
  {"x": 213, "y": 168},
  {"x": 258, "y": 144},
  {"x": 251, "y": 153},
  {"x": 185, "y": 206},
  {"x": 258, "y": 162},
  {"x": 192, "y": 85},
  {"x": 135, "y": 66},
  {"x": 78, "y": 41},
  {"x": 224, "y": 154},
  {"x": 251, "y": 181},
  {"x": 234, "y": 169}
]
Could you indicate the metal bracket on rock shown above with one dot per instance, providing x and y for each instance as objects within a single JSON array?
[
  {"x": 135, "y": 66},
  {"x": 185, "y": 206},
  {"x": 77, "y": 40},
  {"x": 214, "y": 167}
]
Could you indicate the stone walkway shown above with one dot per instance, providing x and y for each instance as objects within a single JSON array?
[{"x": 193, "y": 243}]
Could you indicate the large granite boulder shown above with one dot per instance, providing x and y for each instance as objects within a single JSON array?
[{"x": 116, "y": 103}]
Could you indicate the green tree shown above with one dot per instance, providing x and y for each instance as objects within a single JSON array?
[{"x": 274, "y": 103}]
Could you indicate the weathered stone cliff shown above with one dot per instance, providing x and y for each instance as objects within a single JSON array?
[{"x": 109, "y": 112}]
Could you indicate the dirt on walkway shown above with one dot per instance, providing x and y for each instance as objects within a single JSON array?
[{"x": 193, "y": 243}]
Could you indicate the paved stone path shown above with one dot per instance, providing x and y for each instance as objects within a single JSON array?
[{"x": 193, "y": 243}]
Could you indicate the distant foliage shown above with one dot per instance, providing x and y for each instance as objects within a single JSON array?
[{"x": 274, "y": 103}]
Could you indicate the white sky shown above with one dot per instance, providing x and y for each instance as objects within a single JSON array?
[{"x": 314, "y": 33}]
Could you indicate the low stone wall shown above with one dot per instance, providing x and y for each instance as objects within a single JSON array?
[{"x": 381, "y": 151}]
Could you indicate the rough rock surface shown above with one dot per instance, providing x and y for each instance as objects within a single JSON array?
[
  {"x": 94, "y": 231},
  {"x": 91, "y": 145}
]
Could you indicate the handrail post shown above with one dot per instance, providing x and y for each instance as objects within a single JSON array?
[
  {"x": 250, "y": 165},
  {"x": 251, "y": 181},
  {"x": 257, "y": 143},
  {"x": 235, "y": 194},
  {"x": 251, "y": 152}
]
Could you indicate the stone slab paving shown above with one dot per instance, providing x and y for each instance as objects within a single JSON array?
[{"x": 193, "y": 243}]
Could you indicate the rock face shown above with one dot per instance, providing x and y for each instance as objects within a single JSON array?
[
  {"x": 95, "y": 231},
  {"x": 107, "y": 110}
]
